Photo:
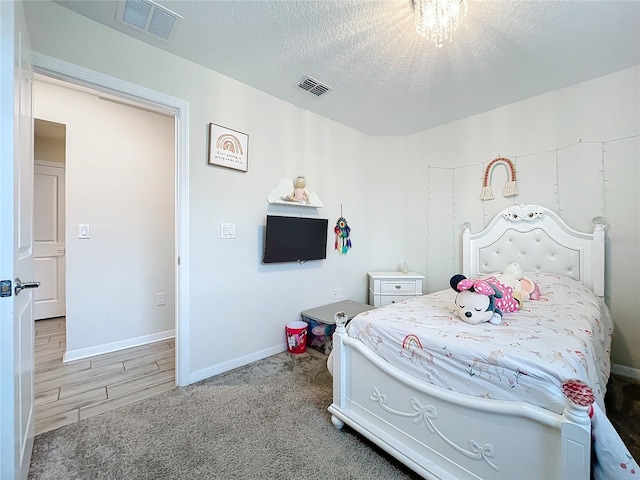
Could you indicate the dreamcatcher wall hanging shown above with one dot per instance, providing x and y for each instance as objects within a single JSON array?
[
  {"x": 510, "y": 188},
  {"x": 342, "y": 229}
]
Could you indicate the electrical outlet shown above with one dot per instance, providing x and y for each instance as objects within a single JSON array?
[
  {"x": 340, "y": 294},
  {"x": 334, "y": 294},
  {"x": 161, "y": 299}
]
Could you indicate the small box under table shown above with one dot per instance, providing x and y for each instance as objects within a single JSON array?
[{"x": 322, "y": 324}]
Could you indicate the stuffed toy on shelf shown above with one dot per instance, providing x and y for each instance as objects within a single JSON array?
[{"x": 299, "y": 194}]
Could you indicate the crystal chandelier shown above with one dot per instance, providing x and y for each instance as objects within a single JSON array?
[{"x": 437, "y": 19}]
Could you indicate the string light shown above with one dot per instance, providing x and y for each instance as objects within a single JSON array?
[
  {"x": 604, "y": 186},
  {"x": 558, "y": 182},
  {"x": 428, "y": 227},
  {"x": 556, "y": 151}
]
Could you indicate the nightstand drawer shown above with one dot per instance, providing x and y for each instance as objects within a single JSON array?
[
  {"x": 397, "y": 287},
  {"x": 389, "y": 299}
]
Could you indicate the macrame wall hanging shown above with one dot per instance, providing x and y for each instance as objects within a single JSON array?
[
  {"x": 510, "y": 188},
  {"x": 343, "y": 242}
]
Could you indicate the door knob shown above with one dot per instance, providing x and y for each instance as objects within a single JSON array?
[{"x": 19, "y": 285}]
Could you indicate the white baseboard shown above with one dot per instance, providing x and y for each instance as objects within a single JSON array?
[
  {"x": 235, "y": 363},
  {"x": 81, "y": 353},
  {"x": 623, "y": 371}
]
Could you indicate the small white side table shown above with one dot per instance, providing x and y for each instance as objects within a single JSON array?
[{"x": 386, "y": 288}]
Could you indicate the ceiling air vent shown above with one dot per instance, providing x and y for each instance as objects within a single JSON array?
[
  {"x": 312, "y": 85},
  {"x": 148, "y": 16}
]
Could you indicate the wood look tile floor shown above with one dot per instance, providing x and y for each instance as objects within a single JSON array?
[{"x": 68, "y": 392}]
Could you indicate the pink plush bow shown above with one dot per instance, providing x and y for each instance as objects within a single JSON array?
[{"x": 479, "y": 286}]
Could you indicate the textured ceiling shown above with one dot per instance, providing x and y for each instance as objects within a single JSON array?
[{"x": 386, "y": 79}]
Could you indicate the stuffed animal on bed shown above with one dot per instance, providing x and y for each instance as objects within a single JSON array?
[
  {"x": 524, "y": 288},
  {"x": 482, "y": 300},
  {"x": 530, "y": 289},
  {"x": 510, "y": 280}
]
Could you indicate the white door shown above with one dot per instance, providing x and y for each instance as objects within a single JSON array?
[
  {"x": 48, "y": 240},
  {"x": 16, "y": 255}
]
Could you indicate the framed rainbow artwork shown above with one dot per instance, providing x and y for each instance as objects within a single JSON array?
[
  {"x": 510, "y": 188},
  {"x": 228, "y": 148}
]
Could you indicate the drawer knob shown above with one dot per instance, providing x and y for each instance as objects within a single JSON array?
[{"x": 398, "y": 287}]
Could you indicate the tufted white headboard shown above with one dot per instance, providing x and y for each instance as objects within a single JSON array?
[{"x": 540, "y": 241}]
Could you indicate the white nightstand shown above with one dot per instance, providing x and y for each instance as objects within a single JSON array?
[{"x": 391, "y": 287}]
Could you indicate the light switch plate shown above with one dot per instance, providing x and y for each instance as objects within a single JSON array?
[
  {"x": 84, "y": 230},
  {"x": 227, "y": 230}
]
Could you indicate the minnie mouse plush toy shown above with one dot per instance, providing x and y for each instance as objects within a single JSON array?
[{"x": 482, "y": 300}]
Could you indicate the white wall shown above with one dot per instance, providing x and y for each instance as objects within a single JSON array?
[
  {"x": 120, "y": 180},
  {"x": 239, "y": 307},
  {"x": 604, "y": 116},
  {"x": 49, "y": 149},
  {"x": 386, "y": 187}
]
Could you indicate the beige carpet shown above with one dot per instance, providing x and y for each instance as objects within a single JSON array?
[{"x": 267, "y": 420}]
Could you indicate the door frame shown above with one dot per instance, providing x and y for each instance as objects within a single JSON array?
[{"x": 68, "y": 72}]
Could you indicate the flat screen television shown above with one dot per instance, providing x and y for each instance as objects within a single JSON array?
[{"x": 294, "y": 239}]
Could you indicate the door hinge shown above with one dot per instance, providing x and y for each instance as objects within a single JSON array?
[
  {"x": 5, "y": 288},
  {"x": 178, "y": 260}
]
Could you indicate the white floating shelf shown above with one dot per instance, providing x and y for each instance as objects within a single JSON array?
[{"x": 285, "y": 188}]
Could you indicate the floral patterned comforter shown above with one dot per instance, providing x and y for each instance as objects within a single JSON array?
[{"x": 566, "y": 334}]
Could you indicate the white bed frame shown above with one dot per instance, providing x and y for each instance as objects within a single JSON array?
[{"x": 446, "y": 435}]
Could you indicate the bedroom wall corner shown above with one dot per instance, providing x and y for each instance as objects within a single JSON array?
[{"x": 576, "y": 151}]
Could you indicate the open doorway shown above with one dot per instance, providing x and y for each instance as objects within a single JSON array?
[
  {"x": 117, "y": 330},
  {"x": 77, "y": 75}
]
